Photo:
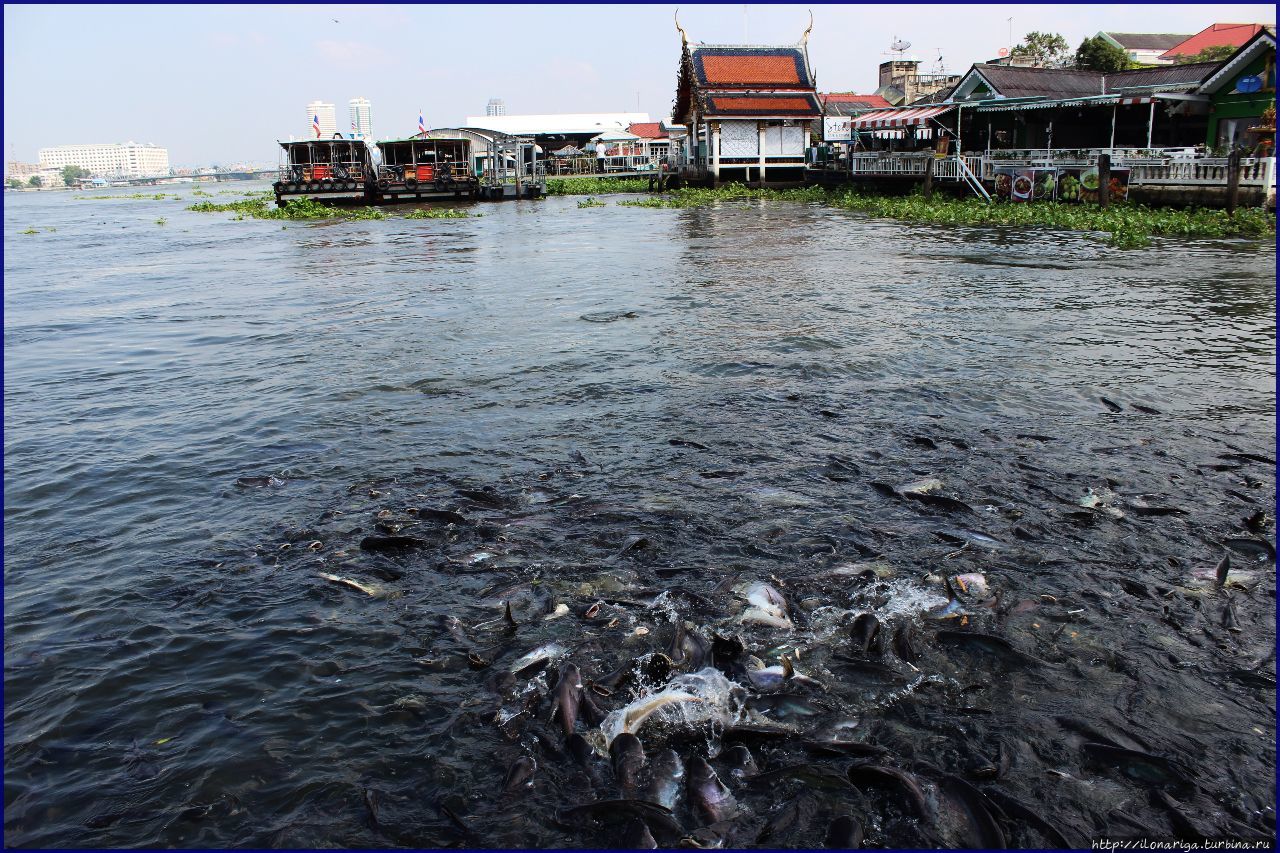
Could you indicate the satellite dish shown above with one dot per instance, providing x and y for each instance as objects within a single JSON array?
[{"x": 900, "y": 45}]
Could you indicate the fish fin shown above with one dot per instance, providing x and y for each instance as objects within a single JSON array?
[
  {"x": 1224, "y": 566},
  {"x": 787, "y": 671}
]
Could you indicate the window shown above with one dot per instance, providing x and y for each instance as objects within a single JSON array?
[{"x": 1235, "y": 131}]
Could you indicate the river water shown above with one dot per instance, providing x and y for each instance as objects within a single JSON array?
[{"x": 648, "y": 410}]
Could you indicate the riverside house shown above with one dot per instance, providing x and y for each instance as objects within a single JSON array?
[
  {"x": 1168, "y": 128},
  {"x": 747, "y": 111}
]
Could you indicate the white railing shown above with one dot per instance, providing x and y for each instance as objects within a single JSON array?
[
  {"x": 1206, "y": 172},
  {"x": 1147, "y": 167},
  {"x": 912, "y": 164}
]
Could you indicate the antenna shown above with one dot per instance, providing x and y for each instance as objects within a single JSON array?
[{"x": 938, "y": 66}]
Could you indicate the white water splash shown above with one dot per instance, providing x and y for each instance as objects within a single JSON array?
[{"x": 691, "y": 700}]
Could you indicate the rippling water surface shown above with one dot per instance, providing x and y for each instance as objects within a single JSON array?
[{"x": 647, "y": 410}]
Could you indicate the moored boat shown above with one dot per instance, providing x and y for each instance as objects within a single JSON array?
[{"x": 330, "y": 169}]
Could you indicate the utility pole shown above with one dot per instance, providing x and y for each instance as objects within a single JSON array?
[{"x": 1011, "y": 39}]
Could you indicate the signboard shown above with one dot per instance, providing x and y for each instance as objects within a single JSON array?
[
  {"x": 837, "y": 128},
  {"x": 1020, "y": 184}
]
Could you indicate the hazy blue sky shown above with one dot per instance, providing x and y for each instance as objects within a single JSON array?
[{"x": 221, "y": 83}]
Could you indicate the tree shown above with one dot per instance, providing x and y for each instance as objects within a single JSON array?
[
  {"x": 35, "y": 181},
  {"x": 15, "y": 183},
  {"x": 71, "y": 174},
  {"x": 1217, "y": 53},
  {"x": 1045, "y": 50},
  {"x": 1098, "y": 54}
]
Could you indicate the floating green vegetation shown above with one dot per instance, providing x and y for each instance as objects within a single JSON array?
[
  {"x": 297, "y": 209},
  {"x": 161, "y": 221},
  {"x": 1130, "y": 225},
  {"x": 31, "y": 231},
  {"x": 591, "y": 202},
  {"x": 596, "y": 186},
  {"x": 198, "y": 192},
  {"x": 697, "y": 197},
  {"x": 155, "y": 197},
  {"x": 439, "y": 213},
  {"x": 646, "y": 202},
  {"x": 227, "y": 207}
]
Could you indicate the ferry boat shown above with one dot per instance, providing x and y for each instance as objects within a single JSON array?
[
  {"x": 330, "y": 169},
  {"x": 422, "y": 168}
]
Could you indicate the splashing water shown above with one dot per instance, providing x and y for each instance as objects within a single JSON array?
[{"x": 687, "y": 701}]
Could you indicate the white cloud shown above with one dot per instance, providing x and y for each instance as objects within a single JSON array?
[{"x": 352, "y": 55}]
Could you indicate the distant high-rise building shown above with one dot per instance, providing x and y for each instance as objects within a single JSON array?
[
  {"x": 495, "y": 107},
  {"x": 322, "y": 115},
  {"x": 128, "y": 160},
  {"x": 361, "y": 118}
]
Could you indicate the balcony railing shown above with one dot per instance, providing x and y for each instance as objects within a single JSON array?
[{"x": 1147, "y": 167}]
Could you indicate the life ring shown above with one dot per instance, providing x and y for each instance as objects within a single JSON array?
[
  {"x": 291, "y": 187},
  {"x": 411, "y": 183},
  {"x": 352, "y": 186},
  {"x": 327, "y": 183},
  {"x": 384, "y": 184}
]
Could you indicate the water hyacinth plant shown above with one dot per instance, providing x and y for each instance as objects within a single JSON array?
[
  {"x": 259, "y": 207},
  {"x": 596, "y": 186},
  {"x": 589, "y": 201},
  {"x": 1129, "y": 225},
  {"x": 438, "y": 213}
]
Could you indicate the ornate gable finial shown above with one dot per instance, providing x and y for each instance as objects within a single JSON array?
[
  {"x": 804, "y": 39},
  {"x": 684, "y": 37}
]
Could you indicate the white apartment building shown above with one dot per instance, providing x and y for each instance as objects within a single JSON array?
[
  {"x": 495, "y": 107},
  {"x": 361, "y": 118},
  {"x": 328, "y": 120},
  {"x": 129, "y": 160}
]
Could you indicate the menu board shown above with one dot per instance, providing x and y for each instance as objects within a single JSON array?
[{"x": 1020, "y": 184}]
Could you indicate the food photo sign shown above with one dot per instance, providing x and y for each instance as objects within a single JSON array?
[{"x": 1052, "y": 184}]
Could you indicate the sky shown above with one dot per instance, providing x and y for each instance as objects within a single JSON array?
[{"x": 220, "y": 84}]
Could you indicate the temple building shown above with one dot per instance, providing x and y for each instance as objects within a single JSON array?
[{"x": 747, "y": 110}]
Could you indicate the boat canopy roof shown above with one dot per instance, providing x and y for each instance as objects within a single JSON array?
[{"x": 289, "y": 143}]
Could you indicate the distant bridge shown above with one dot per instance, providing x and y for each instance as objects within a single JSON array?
[{"x": 262, "y": 174}]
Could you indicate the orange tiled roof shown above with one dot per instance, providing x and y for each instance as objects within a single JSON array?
[
  {"x": 799, "y": 104},
  {"x": 648, "y": 130},
  {"x": 750, "y": 70},
  {"x": 758, "y": 67}
]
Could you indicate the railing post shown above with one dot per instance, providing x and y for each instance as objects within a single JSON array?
[
  {"x": 1233, "y": 181},
  {"x": 928, "y": 177},
  {"x": 1104, "y": 180}
]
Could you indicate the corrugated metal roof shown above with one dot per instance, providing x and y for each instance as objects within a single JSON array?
[
  {"x": 1016, "y": 81},
  {"x": 525, "y": 125},
  {"x": 1167, "y": 75},
  {"x": 1013, "y": 81},
  {"x": 1148, "y": 41}
]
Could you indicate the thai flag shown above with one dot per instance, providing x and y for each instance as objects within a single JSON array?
[
  {"x": 353, "y": 130},
  {"x": 422, "y": 124},
  {"x": 315, "y": 124}
]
